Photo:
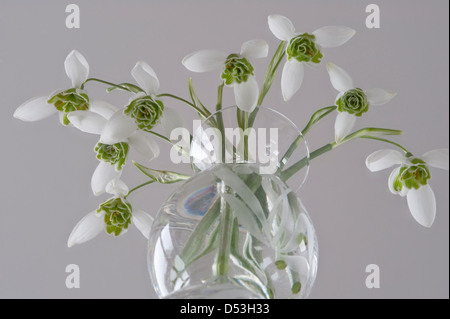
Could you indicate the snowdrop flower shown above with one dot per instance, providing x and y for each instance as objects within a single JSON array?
[
  {"x": 292, "y": 231},
  {"x": 303, "y": 48},
  {"x": 112, "y": 153},
  {"x": 63, "y": 101},
  {"x": 145, "y": 108},
  {"x": 352, "y": 102},
  {"x": 113, "y": 216},
  {"x": 411, "y": 178},
  {"x": 237, "y": 72}
]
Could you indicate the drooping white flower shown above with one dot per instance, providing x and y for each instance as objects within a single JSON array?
[
  {"x": 113, "y": 216},
  {"x": 352, "y": 102},
  {"x": 303, "y": 48},
  {"x": 236, "y": 70},
  {"x": 147, "y": 109},
  {"x": 64, "y": 101},
  {"x": 117, "y": 132},
  {"x": 292, "y": 232},
  {"x": 411, "y": 178},
  {"x": 144, "y": 111}
]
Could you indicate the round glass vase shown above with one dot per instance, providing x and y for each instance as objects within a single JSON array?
[{"x": 236, "y": 229}]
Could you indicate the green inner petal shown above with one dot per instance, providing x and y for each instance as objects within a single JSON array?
[
  {"x": 68, "y": 101},
  {"x": 353, "y": 102},
  {"x": 303, "y": 48},
  {"x": 412, "y": 176},
  {"x": 146, "y": 111},
  {"x": 118, "y": 213},
  {"x": 115, "y": 154},
  {"x": 237, "y": 70}
]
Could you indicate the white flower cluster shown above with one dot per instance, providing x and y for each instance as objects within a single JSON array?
[{"x": 123, "y": 128}]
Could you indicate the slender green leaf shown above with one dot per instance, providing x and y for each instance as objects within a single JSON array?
[
  {"x": 196, "y": 100},
  {"x": 163, "y": 177}
]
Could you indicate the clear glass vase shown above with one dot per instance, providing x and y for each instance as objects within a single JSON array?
[{"x": 236, "y": 229}]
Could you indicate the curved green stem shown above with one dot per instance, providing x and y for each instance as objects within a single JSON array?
[
  {"x": 268, "y": 79},
  {"x": 160, "y": 136},
  {"x": 271, "y": 71},
  {"x": 407, "y": 153},
  {"x": 288, "y": 173},
  {"x": 105, "y": 82},
  {"x": 369, "y": 133},
  {"x": 220, "y": 117},
  {"x": 200, "y": 111},
  {"x": 168, "y": 140},
  {"x": 195, "y": 99},
  {"x": 139, "y": 186},
  {"x": 317, "y": 116},
  {"x": 224, "y": 245}
]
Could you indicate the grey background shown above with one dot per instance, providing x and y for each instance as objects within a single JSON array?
[{"x": 46, "y": 168}]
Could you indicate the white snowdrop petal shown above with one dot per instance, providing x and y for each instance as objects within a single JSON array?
[
  {"x": 291, "y": 78},
  {"x": 87, "y": 121},
  {"x": 87, "y": 228},
  {"x": 144, "y": 144},
  {"x": 103, "y": 174},
  {"x": 437, "y": 158},
  {"x": 170, "y": 120},
  {"x": 378, "y": 96},
  {"x": 118, "y": 128},
  {"x": 255, "y": 49},
  {"x": 204, "y": 60},
  {"x": 145, "y": 77},
  {"x": 143, "y": 222},
  {"x": 116, "y": 187},
  {"x": 281, "y": 27},
  {"x": 246, "y": 94},
  {"x": 343, "y": 125},
  {"x": 383, "y": 159},
  {"x": 103, "y": 108},
  {"x": 333, "y": 36},
  {"x": 77, "y": 68},
  {"x": 422, "y": 204},
  {"x": 339, "y": 78},
  {"x": 35, "y": 109}
]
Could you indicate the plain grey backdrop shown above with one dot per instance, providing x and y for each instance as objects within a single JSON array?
[{"x": 46, "y": 168}]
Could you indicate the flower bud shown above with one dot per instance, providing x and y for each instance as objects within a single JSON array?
[
  {"x": 118, "y": 213},
  {"x": 115, "y": 154},
  {"x": 237, "y": 70},
  {"x": 146, "y": 111},
  {"x": 354, "y": 102},
  {"x": 412, "y": 176},
  {"x": 70, "y": 100},
  {"x": 303, "y": 48}
]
